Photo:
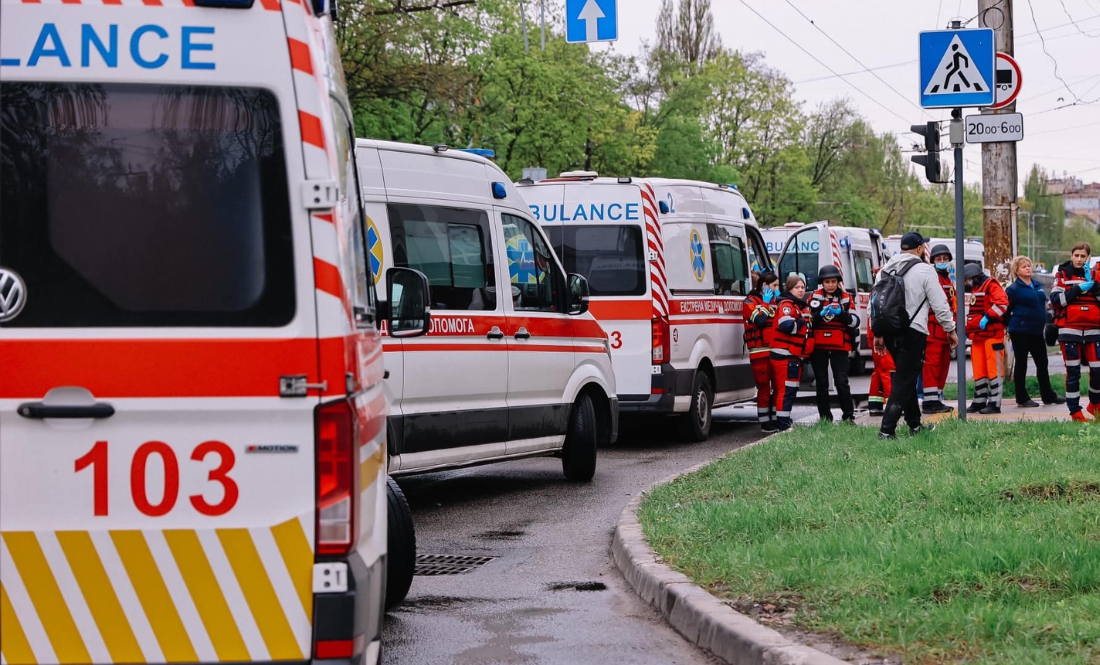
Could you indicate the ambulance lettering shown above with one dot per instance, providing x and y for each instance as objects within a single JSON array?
[
  {"x": 587, "y": 212},
  {"x": 148, "y": 46},
  {"x": 710, "y": 307},
  {"x": 449, "y": 325}
]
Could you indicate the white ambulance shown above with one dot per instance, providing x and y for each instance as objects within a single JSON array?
[
  {"x": 514, "y": 365},
  {"x": 857, "y": 252},
  {"x": 668, "y": 264},
  {"x": 192, "y": 414}
]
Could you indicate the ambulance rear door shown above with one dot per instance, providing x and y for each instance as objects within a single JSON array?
[
  {"x": 808, "y": 248},
  {"x": 158, "y": 385},
  {"x": 598, "y": 230}
]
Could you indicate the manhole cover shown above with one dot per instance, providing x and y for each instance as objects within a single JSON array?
[{"x": 448, "y": 564}]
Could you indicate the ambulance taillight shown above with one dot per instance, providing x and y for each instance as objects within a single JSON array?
[
  {"x": 661, "y": 353},
  {"x": 336, "y": 478}
]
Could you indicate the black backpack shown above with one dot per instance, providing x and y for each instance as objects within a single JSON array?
[{"x": 889, "y": 315}]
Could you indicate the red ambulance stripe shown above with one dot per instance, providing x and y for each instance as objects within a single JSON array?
[
  {"x": 498, "y": 348},
  {"x": 327, "y": 217},
  {"x": 731, "y": 319},
  {"x": 299, "y": 56},
  {"x": 621, "y": 310},
  {"x": 312, "y": 130},
  {"x": 327, "y": 277},
  {"x": 112, "y": 2},
  {"x": 160, "y": 368},
  {"x": 70, "y": 2},
  {"x": 32, "y": 2},
  {"x": 188, "y": 3},
  {"x": 271, "y": 5},
  {"x": 148, "y": 3}
]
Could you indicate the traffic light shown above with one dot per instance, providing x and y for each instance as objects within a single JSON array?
[{"x": 933, "y": 169}]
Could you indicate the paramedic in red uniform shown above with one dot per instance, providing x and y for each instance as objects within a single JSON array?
[
  {"x": 833, "y": 323},
  {"x": 882, "y": 378},
  {"x": 791, "y": 337},
  {"x": 760, "y": 308},
  {"x": 937, "y": 354},
  {"x": 1077, "y": 315},
  {"x": 985, "y": 325}
]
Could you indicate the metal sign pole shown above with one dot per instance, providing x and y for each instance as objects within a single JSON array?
[{"x": 957, "y": 139}]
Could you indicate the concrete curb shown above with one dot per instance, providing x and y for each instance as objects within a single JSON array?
[{"x": 697, "y": 615}]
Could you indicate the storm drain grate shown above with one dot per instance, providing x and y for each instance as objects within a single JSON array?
[{"x": 448, "y": 564}]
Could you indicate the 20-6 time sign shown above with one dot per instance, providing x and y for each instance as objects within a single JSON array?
[{"x": 998, "y": 128}]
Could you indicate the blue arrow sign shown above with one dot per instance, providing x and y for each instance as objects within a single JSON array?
[
  {"x": 591, "y": 21},
  {"x": 957, "y": 68}
]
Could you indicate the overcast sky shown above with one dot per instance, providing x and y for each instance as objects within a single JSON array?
[{"x": 883, "y": 33}]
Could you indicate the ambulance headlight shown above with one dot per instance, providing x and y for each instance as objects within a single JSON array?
[{"x": 499, "y": 190}]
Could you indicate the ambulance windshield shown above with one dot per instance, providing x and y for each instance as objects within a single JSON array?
[
  {"x": 145, "y": 205},
  {"x": 609, "y": 256}
]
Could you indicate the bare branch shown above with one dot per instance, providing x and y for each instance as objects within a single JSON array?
[{"x": 400, "y": 7}]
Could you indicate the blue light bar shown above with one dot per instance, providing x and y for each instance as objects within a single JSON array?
[
  {"x": 499, "y": 190},
  {"x": 481, "y": 152}
]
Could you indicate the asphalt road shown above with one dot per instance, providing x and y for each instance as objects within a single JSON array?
[{"x": 551, "y": 594}]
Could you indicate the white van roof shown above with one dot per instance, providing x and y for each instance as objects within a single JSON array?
[{"x": 456, "y": 176}]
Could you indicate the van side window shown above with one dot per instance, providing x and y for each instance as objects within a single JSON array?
[
  {"x": 864, "y": 280},
  {"x": 453, "y": 248},
  {"x": 531, "y": 267},
  {"x": 729, "y": 255},
  {"x": 355, "y": 230}
]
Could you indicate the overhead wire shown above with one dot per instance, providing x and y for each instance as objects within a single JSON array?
[
  {"x": 819, "y": 61},
  {"x": 1054, "y": 60},
  {"x": 1074, "y": 21},
  {"x": 859, "y": 62}
]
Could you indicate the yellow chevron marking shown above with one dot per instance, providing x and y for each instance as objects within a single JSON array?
[
  {"x": 46, "y": 597},
  {"x": 13, "y": 641},
  {"x": 100, "y": 596},
  {"x": 368, "y": 470},
  {"x": 208, "y": 596},
  {"x": 151, "y": 591},
  {"x": 252, "y": 576},
  {"x": 294, "y": 548}
]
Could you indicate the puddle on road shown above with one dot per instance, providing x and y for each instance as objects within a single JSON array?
[{"x": 576, "y": 586}]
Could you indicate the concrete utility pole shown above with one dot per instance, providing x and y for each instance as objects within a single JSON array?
[{"x": 999, "y": 170}]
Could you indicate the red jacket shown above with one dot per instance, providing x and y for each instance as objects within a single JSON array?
[
  {"x": 987, "y": 300},
  {"x": 833, "y": 332},
  {"x": 1075, "y": 312},
  {"x": 791, "y": 332},
  {"x": 758, "y": 325},
  {"x": 936, "y": 332}
]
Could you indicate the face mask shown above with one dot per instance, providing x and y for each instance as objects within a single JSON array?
[{"x": 943, "y": 266}]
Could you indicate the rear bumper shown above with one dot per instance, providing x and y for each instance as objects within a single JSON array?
[
  {"x": 664, "y": 388},
  {"x": 352, "y": 618}
]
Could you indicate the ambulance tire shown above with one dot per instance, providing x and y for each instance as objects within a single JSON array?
[
  {"x": 400, "y": 546},
  {"x": 578, "y": 456},
  {"x": 695, "y": 424}
]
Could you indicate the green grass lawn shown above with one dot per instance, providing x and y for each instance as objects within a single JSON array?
[
  {"x": 976, "y": 543},
  {"x": 1057, "y": 381}
]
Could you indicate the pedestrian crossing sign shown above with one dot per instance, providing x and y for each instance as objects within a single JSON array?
[{"x": 957, "y": 68}]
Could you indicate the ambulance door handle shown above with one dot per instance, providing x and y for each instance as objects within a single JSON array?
[
  {"x": 38, "y": 410},
  {"x": 523, "y": 334},
  {"x": 496, "y": 333}
]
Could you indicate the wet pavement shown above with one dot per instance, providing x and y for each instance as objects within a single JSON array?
[{"x": 551, "y": 593}]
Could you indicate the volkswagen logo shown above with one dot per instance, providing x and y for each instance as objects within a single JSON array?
[{"x": 13, "y": 295}]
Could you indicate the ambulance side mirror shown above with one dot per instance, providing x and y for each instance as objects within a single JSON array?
[
  {"x": 578, "y": 295},
  {"x": 407, "y": 296}
]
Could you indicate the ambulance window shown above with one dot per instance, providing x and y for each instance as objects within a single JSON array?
[
  {"x": 531, "y": 267},
  {"x": 450, "y": 246},
  {"x": 355, "y": 229},
  {"x": 609, "y": 256},
  {"x": 802, "y": 257},
  {"x": 729, "y": 255},
  {"x": 864, "y": 280},
  {"x": 145, "y": 205}
]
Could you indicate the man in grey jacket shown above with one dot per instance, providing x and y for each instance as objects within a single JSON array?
[{"x": 922, "y": 290}]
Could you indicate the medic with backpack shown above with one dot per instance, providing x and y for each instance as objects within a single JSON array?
[{"x": 906, "y": 289}]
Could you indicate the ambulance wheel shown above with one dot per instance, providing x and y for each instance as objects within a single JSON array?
[
  {"x": 696, "y": 422},
  {"x": 578, "y": 456},
  {"x": 400, "y": 546}
]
